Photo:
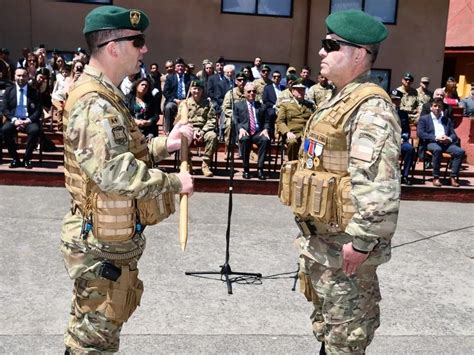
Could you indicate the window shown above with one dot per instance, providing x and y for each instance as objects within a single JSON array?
[
  {"x": 382, "y": 76},
  {"x": 277, "y": 8},
  {"x": 384, "y": 10}
]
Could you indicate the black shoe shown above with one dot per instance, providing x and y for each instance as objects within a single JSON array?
[
  {"x": 261, "y": 175},
  {"x": 406, "y": 180},
  {"x": 246, "y": 175},
  {"x": 28, "y": 164},
  {"x": 15, "y": 164}
]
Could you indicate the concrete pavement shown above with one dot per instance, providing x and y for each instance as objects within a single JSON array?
[{"x": 427, "y": 288}]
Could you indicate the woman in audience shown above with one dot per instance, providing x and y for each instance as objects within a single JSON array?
[
  {"x": 247, "y": 70},
  {"x": 31, "y": 65},
  {"x": 140, "y": 104}
]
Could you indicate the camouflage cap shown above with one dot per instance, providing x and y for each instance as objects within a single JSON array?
[
  {"x": 356, "y": 26},
  {"x": 197, "y": 84},
  {"x": 115, "y": 18},
  {"x": 425, "y": 79}
]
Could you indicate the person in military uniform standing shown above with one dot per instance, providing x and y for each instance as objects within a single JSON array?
[
  {"x": 203, "y": 118},
  {"x": 345, "y": 188},
  {"x": 232, "y": 97},
  {"x": 410, "y": 102},
  {"x": 263, "y": 81},
  {"x": 320, "y": 92},
  {"x": 115, "y": 190},
  {"x": 424, "y": 94},
  {"x": 293, "y": 113}
]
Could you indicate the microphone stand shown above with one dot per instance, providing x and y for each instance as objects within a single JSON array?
[{"x": 226, "y": 271}]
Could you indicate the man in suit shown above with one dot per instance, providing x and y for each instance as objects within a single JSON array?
[
  {"x": 218, "y": 85},
  {"x": 22, "y": 109},
  {"x": 175, "y": 90},
  {"x": 437, "y": 135},
  {"x": 271, "y": 92},
  {"x": 252, "y": 127}
]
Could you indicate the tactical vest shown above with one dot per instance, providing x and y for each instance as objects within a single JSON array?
[
  {"x": 114, "y": 217},
  {"x": 318, "y": 185}
]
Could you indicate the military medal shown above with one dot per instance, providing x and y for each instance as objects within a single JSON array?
[
  {"x": 309, "y": 163},
  {"x": 315, "y": 161}
]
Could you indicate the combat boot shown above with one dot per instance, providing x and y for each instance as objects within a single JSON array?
[{"x": 205, "y": 170}]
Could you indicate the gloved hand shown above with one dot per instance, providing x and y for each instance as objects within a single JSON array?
[
  {"x": 186, "y": 183},
  {"x": 174, "y": 139}
]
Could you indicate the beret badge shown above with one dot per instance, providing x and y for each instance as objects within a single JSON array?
[{"x": 135, "y": 17}]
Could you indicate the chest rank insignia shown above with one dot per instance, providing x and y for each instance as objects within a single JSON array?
[
  {"x": 135, "y": 18},
  {"x": 313, "y": 148}
]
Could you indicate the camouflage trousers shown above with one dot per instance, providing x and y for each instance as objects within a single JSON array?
[
  {"x": 99, "y": 306},
  {"x": 346, "y": 309}
]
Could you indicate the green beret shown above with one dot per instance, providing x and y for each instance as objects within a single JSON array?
[
  {"x": 291, "y": 77},
  {"x": 356, "y": 26},
  {"x": 115, "y": 18},
  {"x": 266, "y": 67},
  {"x": 197, "y": 84}
]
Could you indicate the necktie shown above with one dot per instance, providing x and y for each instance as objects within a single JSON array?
[
  {"x": 180, "y": 87},
  {"x": 21, "y": 104},
  {"x": 252, "y": 125}
]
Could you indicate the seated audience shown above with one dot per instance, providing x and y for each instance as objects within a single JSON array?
[
  {"x": 230, "y": 99},
  {"x": 271, "y": 93},
  {"x": 175, "y": 90},
  {"x": 437, "y": 135},
  {"x": 22, "y": 110},
  {"x": 252, "y": 127},
  {"x": 468, "y": 103},
  {"x": 293, "y": 114},
  {"x": 141, "y": 106},
  {"x": 321, "y": 92},
  {"x": 407, "y": 151},
  {"x": 203, "y": 118}
]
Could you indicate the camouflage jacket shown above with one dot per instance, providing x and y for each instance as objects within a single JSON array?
[
  {"x": 227, "y": 103},
  {"x": 318, "y": 94},
  {"x": 424, "y": 96},
  {"x": 200, "y": 114},
  {"x": 259, "y": 87},
  {"x": 293, "y": 116},
  {"x": 410, "y": 103},
  {"x": 103, "y": 152},
  {"x": 375, "y": 180}
]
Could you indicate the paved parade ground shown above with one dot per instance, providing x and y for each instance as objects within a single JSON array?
[{"x": 427, "y": 288}]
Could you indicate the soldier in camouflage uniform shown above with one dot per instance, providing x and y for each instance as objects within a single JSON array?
[
  {"x": 293, "y": 113},
  {"x": 203, "y": 118},
  {"x": 286, "y": 94},
  {"x": 345, "y": 188},
  {"x": 424, "y": 95},
  {"x": 410, "y": 103},
  {"x": 261, "y": 82},
  {"x": 320, "y": 92},
  {"x": 115, "y": 190},
  {"x": 232, "y": 97}
]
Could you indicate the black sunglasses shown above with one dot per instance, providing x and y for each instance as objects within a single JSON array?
[
  {"x": 138, "y": 41},
  {"x": 333, "y": 45},
  {"x": 251, "y": 91}
]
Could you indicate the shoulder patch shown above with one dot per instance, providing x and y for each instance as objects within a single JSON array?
[{"x": 119, "y": 135}]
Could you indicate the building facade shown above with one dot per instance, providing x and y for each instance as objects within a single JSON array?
[{"x": 284, "y": 32}]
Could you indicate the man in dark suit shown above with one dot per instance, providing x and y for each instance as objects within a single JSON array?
[
  {"x": 437, "y": 135},
  {"x": 252, "y": 127},
  {"x": 22, "y": 109},
  {"x": 271, "y": 92},
  {"x": 175, "y": 90}
]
